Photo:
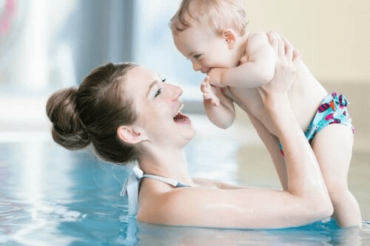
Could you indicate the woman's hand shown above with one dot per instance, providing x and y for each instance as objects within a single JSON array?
[{"x": 287, "y": 58}]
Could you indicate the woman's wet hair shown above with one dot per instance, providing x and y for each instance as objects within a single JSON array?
[{"x": 92, "y": 113}]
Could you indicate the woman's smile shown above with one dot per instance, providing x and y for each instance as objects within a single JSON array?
[{"x": 181, "y": 119}]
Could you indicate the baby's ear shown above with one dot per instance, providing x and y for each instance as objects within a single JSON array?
[
  {"x": 130, "y": 135},
  {"x": 230, "y": 37}
]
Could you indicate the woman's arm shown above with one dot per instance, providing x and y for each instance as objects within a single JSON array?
[{"x": 306, "y": 199}]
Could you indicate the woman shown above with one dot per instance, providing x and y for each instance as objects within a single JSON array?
[{"x": 127, "y": 114}]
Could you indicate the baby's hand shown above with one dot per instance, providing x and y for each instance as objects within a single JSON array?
[
  {"x": 208, "y": 94},
  {"x": 215, "y": 75},
  {"x": 243, "y": 60}
]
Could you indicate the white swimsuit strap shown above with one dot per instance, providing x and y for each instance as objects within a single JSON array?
[
  {"x": 131, "y": 187},
  {"x": 171, "y": 182}
]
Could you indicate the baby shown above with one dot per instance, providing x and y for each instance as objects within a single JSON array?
[{"x": 212, "y": 35}]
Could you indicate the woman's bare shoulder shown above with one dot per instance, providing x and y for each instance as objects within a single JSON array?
[{"x": 180, "y": 206}]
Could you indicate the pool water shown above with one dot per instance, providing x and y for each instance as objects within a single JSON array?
[{"x": 51, "y": 196}]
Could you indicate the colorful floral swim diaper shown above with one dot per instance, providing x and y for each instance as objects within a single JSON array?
[{"x": 333, "y": 110}]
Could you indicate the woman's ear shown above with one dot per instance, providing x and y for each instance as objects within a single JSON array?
[
  {"x": 230, "y": 37},
  {"x": 130, "y": 135}
]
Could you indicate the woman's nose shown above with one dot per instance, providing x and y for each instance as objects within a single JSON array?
[{"x": 176, "y": 92}]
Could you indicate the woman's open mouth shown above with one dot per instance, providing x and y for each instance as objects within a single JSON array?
[{"x": 181, "y": 119}]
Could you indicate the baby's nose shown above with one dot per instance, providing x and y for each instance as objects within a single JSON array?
[{"x": 196, "y": 66}]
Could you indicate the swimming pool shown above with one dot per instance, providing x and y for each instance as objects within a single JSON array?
[{"x": 51, "y": 196}]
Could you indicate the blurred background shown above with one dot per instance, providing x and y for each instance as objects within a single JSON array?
[{"x": 48, "y": 45}]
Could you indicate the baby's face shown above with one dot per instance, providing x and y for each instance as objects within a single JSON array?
[{"x": 204, "y": 48}]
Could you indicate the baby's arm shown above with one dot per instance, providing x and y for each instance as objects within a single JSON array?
[
  {"x": 259, "y": 68},
  {"x": 219, "y": 108}
]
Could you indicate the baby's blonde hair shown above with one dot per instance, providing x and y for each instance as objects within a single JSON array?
[{"x": 217, "y": 14}]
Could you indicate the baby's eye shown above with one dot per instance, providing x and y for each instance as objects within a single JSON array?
[
  {"x": 159, "y": 91},
  {"x": 164, "y": 80},
  {"x": 197, "y": 56}
]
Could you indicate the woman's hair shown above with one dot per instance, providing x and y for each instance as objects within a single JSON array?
[
  {"x": 93, "y": 112},
  {"x": 217, "y": 14}
]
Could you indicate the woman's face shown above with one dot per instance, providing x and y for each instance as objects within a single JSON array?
[{"x": 157, "y": 105}]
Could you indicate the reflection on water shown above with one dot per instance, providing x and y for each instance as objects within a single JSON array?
[
  {"x": 321, "y": 233},
  {"x": 48, "y": 194}
]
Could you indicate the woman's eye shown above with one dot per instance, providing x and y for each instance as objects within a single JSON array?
[
  {"x": 164, "y": 80},
  {"x": 158, "y": 92}
]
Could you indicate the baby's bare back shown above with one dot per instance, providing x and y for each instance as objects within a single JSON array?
[{"x": 305, "y": 97}]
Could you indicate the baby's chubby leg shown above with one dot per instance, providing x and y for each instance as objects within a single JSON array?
[{"x": 333, "y": 149}]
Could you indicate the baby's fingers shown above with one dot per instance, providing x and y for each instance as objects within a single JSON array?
[
  {"x": 207, "y": 96},
  {"x": 204, "y": 87},
  {"x": 207, "y": 80},
  {"x": 215, "y": 101},
  {"x": 243, "y": 60}
]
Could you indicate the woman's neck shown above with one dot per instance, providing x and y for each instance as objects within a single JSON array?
[{"x": 170, "y": 164}]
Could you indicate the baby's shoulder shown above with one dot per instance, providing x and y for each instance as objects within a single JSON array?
[{"x": 258, "y": 38}]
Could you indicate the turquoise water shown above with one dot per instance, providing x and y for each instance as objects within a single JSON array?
[{"x": 50, "y": 196}]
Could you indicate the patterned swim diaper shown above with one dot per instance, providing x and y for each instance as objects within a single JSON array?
[{"x": 333, "y": 110}]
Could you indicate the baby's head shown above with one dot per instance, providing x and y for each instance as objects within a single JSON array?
[
  {"x": 201, "y": 27},
  {"x": 216, "y": 15}
]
